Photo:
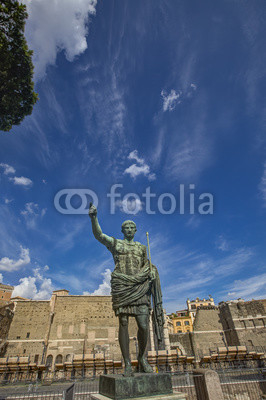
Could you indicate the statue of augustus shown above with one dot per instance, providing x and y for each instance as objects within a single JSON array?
[{"x": 134, "y": 281}]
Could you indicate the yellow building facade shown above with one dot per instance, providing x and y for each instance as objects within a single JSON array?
[
  {"x": 182, "y": 321},
  {"x": 192, "y": 305}
]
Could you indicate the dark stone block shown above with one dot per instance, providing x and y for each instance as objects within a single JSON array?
[{"x": 120, "y": 387}]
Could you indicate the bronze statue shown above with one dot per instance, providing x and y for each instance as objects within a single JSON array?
[{"x": 133, "y": 282}]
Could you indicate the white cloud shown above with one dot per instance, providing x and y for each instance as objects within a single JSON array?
[
  {"x": 26, "y": 288},
  {"x": 53, "y": 26},
  {"x": 34, "y": 287},
  {"x": 170, "y": 100},
  {"x": 262, "y": 186},
  {"x": 7, "y": 201},
  {"x": 21, "y": 181},
  {"x": 130, "y": 205},
  {"x": 1, "y": 278},
  {"x": 10, "y": 265},
  {"x": 222, "y": 244},
  {"x": 32, "y": 213},
  {"x": 30, "y": 208},
  {"x": 8, "y": 169},
  {"x": 104, "y": 288},
  {"x": 135, "y": 170},
  {"x": 134, "y": 156}
]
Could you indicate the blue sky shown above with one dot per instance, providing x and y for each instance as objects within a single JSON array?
[{"x": 144, "y": 94}]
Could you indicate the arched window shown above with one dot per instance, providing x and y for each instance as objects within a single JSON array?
[
  {"x": 49, "y": 361},
  {"x": 178, "y": 323},
  {"x": 186, "y": 323},
  {"x": 68, "y": 358},
  {"x": 59, "y": 359}
]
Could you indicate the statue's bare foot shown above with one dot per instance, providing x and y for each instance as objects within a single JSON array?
[
  {"x": 144, "y": 366},
  {"x": 128, "y": 370}
]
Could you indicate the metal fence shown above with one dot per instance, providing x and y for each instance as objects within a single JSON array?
[
  {"x": 244, "y": 384},
  {"x": 85, "y": 388},
  {"x": 55, "y": 395},
  {"x": 35, "y": 393},
  {"x": 184, "y": 382},
  {"x": 249, "y": 384}
]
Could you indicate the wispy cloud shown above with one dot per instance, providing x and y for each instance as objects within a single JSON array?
[
  {"x": 21, "y": 181},
  {"x": 51, "y": 28},
  {"x": 32, "y": 213},
  {"x": 187, "y": 159},
  {"x": 248, "y": 288},
  {"x": 193, "y": 222},
  {"x": 222, "y": 244},
  {"x": 68, "y": 281},
  {"x": 7, "y": 201},
  {"x": 67, "y": 236},
  {"x": 8, "y": 169},
  {"x": 171, "y": 100},
  {"x": 139, "y": 168},
  {"x": 207, "y": 270},
  {"x": 10, "y": 231},
  {"x": 195, "y": 271},
  {"x": 10, "y": 265},
  {"x": 262, "y": 186},
  {"x": 105, "y": 112}
]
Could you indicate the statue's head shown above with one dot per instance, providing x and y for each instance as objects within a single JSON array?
[{"x": 129, "y": 229}]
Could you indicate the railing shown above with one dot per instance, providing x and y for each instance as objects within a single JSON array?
[
  {"x": 55, "y": 395},
  {"x": 35, "y": 393},
  {"x": 250, "y": 384},
  {"x": 184, "y": 383},
  {"x": 85, "y": 388},
  {"x": 245, "y": 384}
]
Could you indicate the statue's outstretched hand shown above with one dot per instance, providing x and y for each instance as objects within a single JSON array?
[{"x": 92, "y": 211}]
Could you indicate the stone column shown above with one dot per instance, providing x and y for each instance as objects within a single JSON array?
[
  {"x": 207, "y": 384},
  {"x": 151, "y": 333},
  {"x": 166, "y": 334}
]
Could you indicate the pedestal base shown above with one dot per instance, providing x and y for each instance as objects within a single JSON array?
[
  {"x": 118, "y": 387},
  {"x": 172, "y": 396}
]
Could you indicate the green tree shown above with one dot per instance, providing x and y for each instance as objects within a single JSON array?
[{"x": 17, "y": 95}]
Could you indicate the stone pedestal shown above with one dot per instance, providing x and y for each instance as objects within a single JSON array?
[
  {"x": 144, "y": 386},
  {"x": 172, "y": 396}
]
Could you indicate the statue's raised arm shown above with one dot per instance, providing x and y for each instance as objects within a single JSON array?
[{"x": 96, "y": 229}]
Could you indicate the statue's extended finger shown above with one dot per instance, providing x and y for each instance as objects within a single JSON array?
[{"x": 91, "y": 204}]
